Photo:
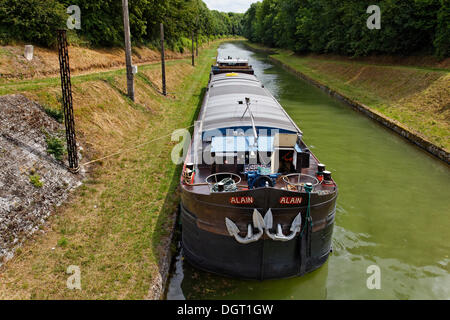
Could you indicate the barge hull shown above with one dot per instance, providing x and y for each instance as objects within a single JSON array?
[{"x": 264, "y": 259}]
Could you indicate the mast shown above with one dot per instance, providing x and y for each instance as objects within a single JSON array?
[{"x": 252, "y": 119}]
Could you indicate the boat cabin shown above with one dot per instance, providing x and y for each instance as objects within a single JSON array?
[
  {"x": 232, "y": 65},
  {"x": 242, "y": 130}
]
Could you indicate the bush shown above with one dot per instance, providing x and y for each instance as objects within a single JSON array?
[
  {"x": 442, "y": 40},
  {"x": 63, "y": 242},
  {"x": 33, "y": 21},
  {"x": 55, "y": 147},
  {"x": 58, "y": 115},
  {"x": 36, "y": 181}
]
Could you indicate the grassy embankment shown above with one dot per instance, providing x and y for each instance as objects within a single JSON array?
[
  {"x": 117, "y": 223},
  {"x": 14, "y": 66},
  {"x": 413, "y": 91}
]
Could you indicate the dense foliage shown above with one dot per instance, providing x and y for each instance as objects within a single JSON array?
[
  {"x": 340, "y": 26},
  {"x": 102, "y": 25},
  {"x": 30, "y": 20}
]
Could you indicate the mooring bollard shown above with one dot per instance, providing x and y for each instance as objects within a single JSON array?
[{"x": 29, "y": 49}]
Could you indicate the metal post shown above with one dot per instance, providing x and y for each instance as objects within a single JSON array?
[
  {"x": 66, "y": 89},
  {"x": 126, "y": 29},
  {"x": 193, "y": 61},
  {"x": 163, "y": 62}
]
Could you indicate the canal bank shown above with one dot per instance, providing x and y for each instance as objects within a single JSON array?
[
  {"x": 392, "y": 209},
  {"x": 395, "y": 126},
  {"x": 299, "y": 67},
  {"x": 117, "y": 228}
]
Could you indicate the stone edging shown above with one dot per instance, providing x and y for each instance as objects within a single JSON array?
[
  {"x": 373, "y": 114},
  {"x": 158, "y": 285}
]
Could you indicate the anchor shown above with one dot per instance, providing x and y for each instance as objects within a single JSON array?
[
  {"x": 258, "y": 223},
  {"x": 279, "y": 236}
]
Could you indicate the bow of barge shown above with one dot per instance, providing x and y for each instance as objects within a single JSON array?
[{"x": 256, "y": 203}]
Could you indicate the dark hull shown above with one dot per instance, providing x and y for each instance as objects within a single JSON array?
[{"x": 265, "y": 259}]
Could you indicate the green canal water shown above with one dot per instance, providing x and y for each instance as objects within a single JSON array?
[{"x": 393, "y": 207}]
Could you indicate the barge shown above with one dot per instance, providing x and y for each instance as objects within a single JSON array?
[{"x": 255, "y": 203}]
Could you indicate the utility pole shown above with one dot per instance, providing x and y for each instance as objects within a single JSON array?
[
  {"x": 66, "y": 89},
  {"x": 196, "y": 30},
  {"x": 193, "y": 61},
  {"x": 163, "y": 62},
  {"x": 196, "y": 44},
  {"x": 126, "y": 29}
]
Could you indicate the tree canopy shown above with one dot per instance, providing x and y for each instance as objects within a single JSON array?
[
  {"x": 101, "y": 21},
  {"x": 340, "y": 26}
]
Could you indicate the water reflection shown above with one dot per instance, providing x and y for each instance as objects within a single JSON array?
[{"x": 190, "y": 283}]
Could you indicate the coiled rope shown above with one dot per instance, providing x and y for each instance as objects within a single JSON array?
[{"x": 228, "y": 183}]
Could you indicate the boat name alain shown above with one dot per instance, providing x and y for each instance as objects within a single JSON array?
[{"x": 235, "y": 309}]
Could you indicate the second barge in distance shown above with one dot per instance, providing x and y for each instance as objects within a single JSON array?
[{"x": 255, "y": 203}]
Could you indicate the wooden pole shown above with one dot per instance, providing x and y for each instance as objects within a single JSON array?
[
  {"x": 193, "y": 61},
  {"x": 126, "y": 29},
  {"x": 163, "y": 62},
  {"x": 196, "y": 44},
  {"x": 196, "y": 30}
]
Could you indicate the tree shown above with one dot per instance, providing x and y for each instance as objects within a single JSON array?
[
  {"x": 442, "y": 37},
  {"x": 339, "y": 26},
  {"x": 101, "y": 21},
  {"x": 31, "y": 20}
]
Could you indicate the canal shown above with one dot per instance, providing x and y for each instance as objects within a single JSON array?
[{"x": 393, "y": 206}]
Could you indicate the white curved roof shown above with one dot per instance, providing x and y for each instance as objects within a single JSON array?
[
  {"x": 223, "y": 110},
  {"x": 223, "y": 60}
]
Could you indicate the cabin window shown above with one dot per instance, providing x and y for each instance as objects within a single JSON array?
[
  {"x": 283, "y": 160},
  {"x": 286, "y": 160},
  {"x": 284, "y": 153}
]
